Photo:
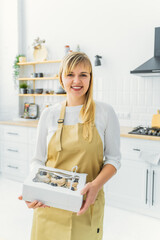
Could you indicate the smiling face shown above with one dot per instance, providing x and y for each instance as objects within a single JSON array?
[{"x": 76, "y": 83}]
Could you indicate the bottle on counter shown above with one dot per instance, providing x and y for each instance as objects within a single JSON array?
[
  {"x": 78, "y": 48},
  {"x": 67, "y": 49}
]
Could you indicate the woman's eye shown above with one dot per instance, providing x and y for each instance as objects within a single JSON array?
[
  {"x": 70, "y": 74},
  {"x": 84, "y": 75}
]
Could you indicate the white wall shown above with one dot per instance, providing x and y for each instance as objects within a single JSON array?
[
  {"x": 121, "y": 31},
  {"x": 8, "y": 51}
]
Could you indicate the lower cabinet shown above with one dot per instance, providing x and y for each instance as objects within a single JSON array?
[
  {"x": 15, "y": 151},
  {"x": 128, "y": 187},
  {"x": 136, "y": 187},
  {"x": 155, "y": 191}
]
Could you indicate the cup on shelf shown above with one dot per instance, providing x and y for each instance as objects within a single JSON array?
[
  {"x": 22, "y": 59},
  {"x": 40, "y": 74},
  {"x": 23, "y": 90},
  {"x": 34, "y": 75}
]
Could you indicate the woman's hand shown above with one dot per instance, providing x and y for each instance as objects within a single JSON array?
[
  {"x": 34, "y": 204},
  {"x": 91, "y": 190}
]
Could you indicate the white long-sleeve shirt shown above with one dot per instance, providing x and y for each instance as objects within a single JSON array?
[{"x": 106, "y": 123}]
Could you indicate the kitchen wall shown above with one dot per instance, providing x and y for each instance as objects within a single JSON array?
[
  {"x": 8, "y": 51},
  {"x": 122, "y": 32}
]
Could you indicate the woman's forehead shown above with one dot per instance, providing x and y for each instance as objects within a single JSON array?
[{"x": 80, "y": 67}]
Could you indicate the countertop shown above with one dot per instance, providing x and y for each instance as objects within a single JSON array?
[
  {"x": 124, "y": 130},
  {"x": 24, "y": 123}
]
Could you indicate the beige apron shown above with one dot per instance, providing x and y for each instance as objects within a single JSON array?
[{"x": 67, "y": 148}]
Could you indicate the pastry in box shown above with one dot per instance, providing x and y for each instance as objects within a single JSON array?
[{"x": 55, "y": 187}]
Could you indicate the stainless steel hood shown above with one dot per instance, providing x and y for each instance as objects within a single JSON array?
[{"x": 151, "y": 68}]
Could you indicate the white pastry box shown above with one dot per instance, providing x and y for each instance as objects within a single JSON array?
[{"x": 55, "y": 187}]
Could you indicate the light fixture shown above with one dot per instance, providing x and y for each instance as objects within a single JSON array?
[{"x": 97, "y": 60}]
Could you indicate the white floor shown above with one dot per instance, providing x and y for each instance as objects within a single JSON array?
[{"x": 16, "y": 219}]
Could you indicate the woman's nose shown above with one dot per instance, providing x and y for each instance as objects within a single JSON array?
[{"x": 76, "y": 79}]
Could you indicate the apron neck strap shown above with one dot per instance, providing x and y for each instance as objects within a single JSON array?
[
  {"x": 61, "y": 118},
  {"x": 60, "y": 126}
]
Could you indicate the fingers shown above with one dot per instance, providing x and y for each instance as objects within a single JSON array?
[
  {"x": 31, "y": 204},
  {"x": 84, "y": 207},
  {"x": 91, "y": 193},
  {"x": 20, "y": 197},
  {"x": 39, "y": 204},
  {"x": 35, "y": 204},
  {"x": 85, "y": 189}
]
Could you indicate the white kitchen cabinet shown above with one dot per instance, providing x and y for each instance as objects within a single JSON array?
[
  {"x": 155, "y": 191},
  {"x": 14, "y": 150},
  {"x": 31, "y": 143},
  {"x": 128, "y": 187},
  {"x": 136, "y": 185}
]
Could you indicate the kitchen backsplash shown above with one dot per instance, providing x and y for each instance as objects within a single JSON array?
[{"x": 135, "y": 99}]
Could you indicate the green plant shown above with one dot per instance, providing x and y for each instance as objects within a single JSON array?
[
  {"x": 23, "y": 85},
  {"x": 16, "y": 68}
]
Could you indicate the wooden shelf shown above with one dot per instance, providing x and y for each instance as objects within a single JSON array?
[
  {"x": 38, "y": 78},
  {"x": 33, "y": 63},
  {"x": 35, "y": 95}
]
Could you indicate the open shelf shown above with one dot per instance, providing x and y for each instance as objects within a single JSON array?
[
  {"x": 43, "y": 62},
  {"x": 36, "y": 95},
  {"x": 37, "y": 78}
]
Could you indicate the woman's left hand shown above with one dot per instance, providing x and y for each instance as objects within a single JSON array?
[{"x": 91, "y": 191}]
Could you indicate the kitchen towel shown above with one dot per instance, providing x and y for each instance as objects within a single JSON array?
[{"x": 150, "y": 157}]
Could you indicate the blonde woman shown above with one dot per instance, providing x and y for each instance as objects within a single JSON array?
[{"x": 90, "y": 139}]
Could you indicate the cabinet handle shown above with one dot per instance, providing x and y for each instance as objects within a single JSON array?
[
  {"x": 10, "y": 166},
  {"x": 153, "y": 175},
  {"x": 136, "y": 149},
  {"x": 12, "y": 150},
  {"x": 146, "y": 185},
  {"x": 12, "y": 133}
]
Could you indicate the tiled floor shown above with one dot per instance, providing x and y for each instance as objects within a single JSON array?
[{"x": 16, "y": 219}]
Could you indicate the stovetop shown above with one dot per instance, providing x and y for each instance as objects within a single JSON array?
[{"x": 140, "y": 130}]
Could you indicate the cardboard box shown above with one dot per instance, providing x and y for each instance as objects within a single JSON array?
[{"x": 62, "y": 190}]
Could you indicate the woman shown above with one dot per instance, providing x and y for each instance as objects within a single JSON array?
[{"x": 78, "y": 132}]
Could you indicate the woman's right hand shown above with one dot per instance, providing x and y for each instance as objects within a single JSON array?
[{"x": 34, "y": 204}]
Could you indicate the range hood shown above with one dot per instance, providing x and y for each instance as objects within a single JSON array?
[{"x": 151, "y": 68}]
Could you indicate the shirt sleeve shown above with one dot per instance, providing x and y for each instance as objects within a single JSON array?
[
  {"x": 112, "y": 153},
  {"x": 40, "y": 153}
]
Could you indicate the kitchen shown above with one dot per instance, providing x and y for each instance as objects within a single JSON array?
[{"x": 123, "y": 34}]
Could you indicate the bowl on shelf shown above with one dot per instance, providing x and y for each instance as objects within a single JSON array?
[
  {"x": 30, "y": 91},
  {"x": 60, "y": 90},
  {"x": 39, "y": 90}
]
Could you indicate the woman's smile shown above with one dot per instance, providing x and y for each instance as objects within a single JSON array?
[{"x": 76, "y": 88}]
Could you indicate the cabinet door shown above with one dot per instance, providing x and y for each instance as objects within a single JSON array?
[
  {"x": 155, "y": 191},
  {"x": 129, "y": 187},
  {"x": 15, "y": 134}
]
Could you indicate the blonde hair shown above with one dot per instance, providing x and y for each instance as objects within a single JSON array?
[{"x": 87, "y": 113}]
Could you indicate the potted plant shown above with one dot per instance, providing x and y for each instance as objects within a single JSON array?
[
  {"x": 23, "y": 88},
  {"x": 16, "y": 68}
]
